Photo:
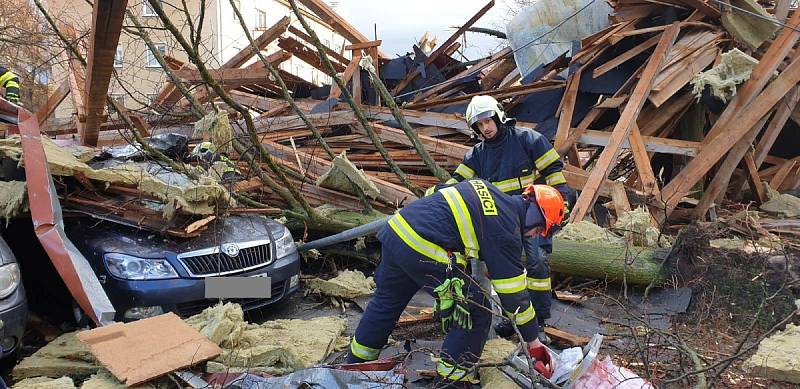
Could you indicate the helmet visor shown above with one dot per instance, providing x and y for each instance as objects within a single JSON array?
[{"x": 479, "y": 117}]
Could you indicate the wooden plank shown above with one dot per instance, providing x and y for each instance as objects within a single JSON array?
[
  {"x": 394, "y": 193},
  {"x": 594, "y": 114},
  {"x": 307, "y": 54},
  {"x": 565, "y": 337},
  {"x": 760, "y": 76},
  {"x": 642, "y": 161},
  {"x": 620, "y": 198},
  {"x": 624, "y": 57},
  {"x": 261, "y": 42},
  {"x": 53, "y": 102},
  {"x": 577, "y": 178},
  {"x": 324, "y": 119},
  {"x": 464, "y": 73},
  {"x": 499, "y": 94},
  {"x": 363, "y": 45},
  {"x": 753, "y": 178},
  {"x": 652, "y": 120},
  {"x": 770, "y": 134},
  {"x": 338, "y": 23},
  {"x": 107, "y": 17},
  {"x": 330, "y": 52},
  {"x": 622, "y": 129},
  {"x": 436, "y": 119},
  {"x": 495, "y": 76},
  {"x": 746, "y": 118},
  {"x": 716, "y": 190},
  {"x": 776, "y": 126},
  {"x": 782, "y": 173},
  {"x": 224, "y": 75},
  {"x": 567, "y": 108},
  {"x": 693, "y": 65},
  {"x": 439, "y": 51},
  {"x": 346, "y": 76},
  {"x": 431, "y": 144},
  {"x": 357, "y": 92},
  {"x": 76, "y": 92}
]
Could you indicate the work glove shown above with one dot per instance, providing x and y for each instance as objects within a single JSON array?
[
  {"x": 541, "y": 360},
  {"x": 450, "y": 307}
]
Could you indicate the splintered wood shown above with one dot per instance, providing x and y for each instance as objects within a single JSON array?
[{"x": 635, "y": 124}]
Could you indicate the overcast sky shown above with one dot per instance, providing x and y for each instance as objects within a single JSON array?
[{"x": 401, "y": 24}]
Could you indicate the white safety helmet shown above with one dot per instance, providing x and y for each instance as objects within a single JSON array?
[{"x": 482, "y": 107}]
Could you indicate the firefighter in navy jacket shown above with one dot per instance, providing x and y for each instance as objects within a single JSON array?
[
  {"x": 512, "y": 158},
  {"x": 478, "y": 220}
]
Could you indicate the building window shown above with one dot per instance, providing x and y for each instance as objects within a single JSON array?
[
  {"x": 261, "y": 22},
  {"x": 151, "y": 58},
  {"x": 119, "y": 98},
  {"x": 147, "y": 9},
  {"x": 118, "y": 57}
]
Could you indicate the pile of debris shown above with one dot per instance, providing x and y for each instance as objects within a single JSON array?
[{"x": 675, "y": 105}]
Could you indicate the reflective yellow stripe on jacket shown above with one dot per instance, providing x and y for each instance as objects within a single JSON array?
[
  {"x": 364, "y": 352},
  {"x": 539, "y": 284},
  {"x": 465, "y": 171},
  {"x": 516, "y": 183},
  {"x": 509, "y": 285},
  {"x": 463, "y": 221},
  {"x": 6, "y": 77},
  {"x": 453, "y": 372},
  {"x": 419, "y": 244}
]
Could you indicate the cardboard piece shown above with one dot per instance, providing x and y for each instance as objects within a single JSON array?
[{"x": 142, "y": 350}]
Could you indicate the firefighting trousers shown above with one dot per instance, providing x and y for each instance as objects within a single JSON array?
[
  {"x": 401, "y": 273},
  {"x": 537, "y": 267}
]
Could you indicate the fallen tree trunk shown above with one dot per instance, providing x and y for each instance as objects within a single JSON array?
[{"x": 635, "y": 265}]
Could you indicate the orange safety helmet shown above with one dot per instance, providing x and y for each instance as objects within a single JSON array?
[{"x": 550, "y": 202}]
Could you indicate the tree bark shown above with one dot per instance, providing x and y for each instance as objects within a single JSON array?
[{"x": 634, "y": 265}]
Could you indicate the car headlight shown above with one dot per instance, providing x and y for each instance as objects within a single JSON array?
[
  {"x": 9, "y": 279},
  {"x": 134, "y": 268},
  {"x": 284, "y": 243}
]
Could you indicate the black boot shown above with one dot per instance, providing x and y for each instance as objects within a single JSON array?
[
  {"x": 542, "y": 335},
  {"x": 504, "y": 328}
]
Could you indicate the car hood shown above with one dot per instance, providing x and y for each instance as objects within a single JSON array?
[{"x": 99, "y": 236}]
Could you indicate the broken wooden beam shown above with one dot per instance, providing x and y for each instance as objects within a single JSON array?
[
  {"x": 107, "y": 17},
  {"x": 624, "y": 124}
]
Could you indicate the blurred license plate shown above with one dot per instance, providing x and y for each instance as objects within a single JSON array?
[{"x": 238, "y": 287}]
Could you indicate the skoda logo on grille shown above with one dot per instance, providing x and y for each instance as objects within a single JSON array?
[{"x": 230, "y": 249}]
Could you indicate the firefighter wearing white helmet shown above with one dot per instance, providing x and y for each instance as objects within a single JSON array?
[{"x": 513, "y": 158}]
